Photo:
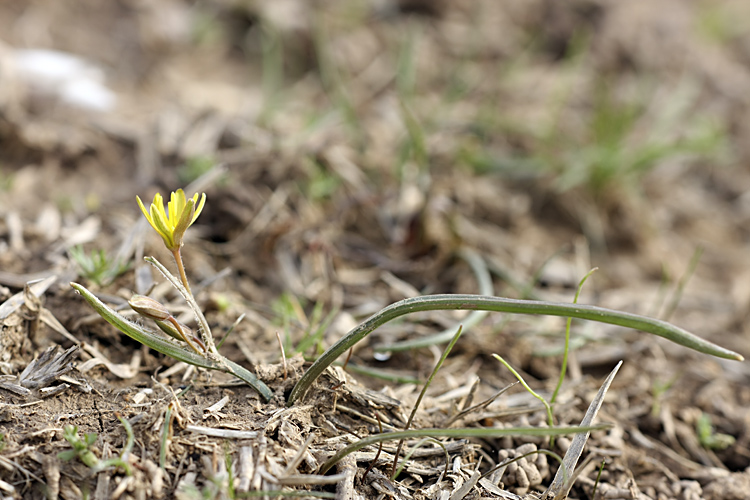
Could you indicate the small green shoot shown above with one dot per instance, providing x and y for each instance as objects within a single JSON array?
[
  {"x": 314, "y": 333},
  {"x": 231, "y": 492},
  {"x": 82, "y": 449},
  {"x": 613, "y": 152},
  {"x": 531, "y": 391},
  {"x": 322, "y": 182},
  {"x": 598, "y": 478},
  {"x": 230, "y": 330},
  {"x": 658, "y": 389},
  {"x": 440, "y": 362},
  {"x": 287, "y": 311},
  {"x": 290, "y": 310},
  {"x": 97, "y": 266},
  {"x": 708, "y": 437},
  {"x": 680, "y": 288},
  {"x": 566, "y": 351},
  {"x": 166, "y": 435}
]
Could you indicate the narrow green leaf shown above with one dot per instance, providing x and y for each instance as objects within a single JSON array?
[
  {"x": 164, "y": 346},
  {"x": 459, "y": 433},
  {"x": 499, "y": 304}
]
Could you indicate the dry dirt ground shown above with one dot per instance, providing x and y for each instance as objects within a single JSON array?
[{"x": 354, "y": 154}]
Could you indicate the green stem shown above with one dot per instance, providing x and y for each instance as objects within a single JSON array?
[
  {"x": 480, "y": 302},
  {"x": 484, "y": 282},
  {"x": 550, "y": 418},
  {"x": 566, "y": 349},
  {"x": 458, "y": 433},
  {"x": 185, "y": 338},
  {"x": 440, "y": 362}
]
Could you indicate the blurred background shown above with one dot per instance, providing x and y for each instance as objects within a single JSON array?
[{"x": 606, "y": 135}]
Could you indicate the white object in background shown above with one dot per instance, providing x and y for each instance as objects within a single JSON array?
[{"x": 70, "y": 78}]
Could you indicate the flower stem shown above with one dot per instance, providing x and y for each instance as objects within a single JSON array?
[
  {"x": 177, "y": 254},
  {"x": 182, "y": 334}
]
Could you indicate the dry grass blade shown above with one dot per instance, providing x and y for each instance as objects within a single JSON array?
[
  {"x": 464, "y": 490},
  {"x": 479, "y": 406},
  {"x": 48, "y": 367},
  {"x": 559, "y": 488},
  {"x": 36, "y": 288}
]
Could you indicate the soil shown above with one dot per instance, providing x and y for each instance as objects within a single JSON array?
[{"x": 355, "y": 154}]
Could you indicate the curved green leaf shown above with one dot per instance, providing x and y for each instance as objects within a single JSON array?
[{"x": 498, "y": 304}]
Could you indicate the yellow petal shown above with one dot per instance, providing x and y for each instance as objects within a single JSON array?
[
  {"x": 172, "y": 207},
  {"x": 143, "y": 209},
  {"x": 179, "y": 205},
  {"x": 198, "y": 206},
  {"x": 158, "y": 201},
  {"x": 183, "y": 223},
  {"x": 162, "y": 227}
]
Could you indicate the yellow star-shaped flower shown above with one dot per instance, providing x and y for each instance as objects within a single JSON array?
[{"x": 172, "y": 223}]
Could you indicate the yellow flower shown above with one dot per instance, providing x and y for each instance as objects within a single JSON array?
[{"x": 172, "y": 223}]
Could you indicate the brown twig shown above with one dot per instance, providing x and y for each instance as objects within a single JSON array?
[{"x": 283, "y": 354}]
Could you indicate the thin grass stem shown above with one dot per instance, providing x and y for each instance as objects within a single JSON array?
[
  {"x": 446, "y": 351},
  {"x": 458, "y": 433},
  {"x": 531, "y": 391},
  {"x": 566, "y": 349}
]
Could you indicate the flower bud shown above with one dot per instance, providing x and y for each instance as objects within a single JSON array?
[
  {"x": 172, "y": 330},
  {"x": 148, "y": 307}
]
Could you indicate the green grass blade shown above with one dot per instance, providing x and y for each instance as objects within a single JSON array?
[
  {"x": 484, "y": 282},
  {"x": 499, "y": 304},
  {"x": 170, "y": 349},
  {"x": 459, "y": 433},
  {"x": 550, "y": 419},
  {"x": 566, "y": 349},
  {"x": 422, "y": 393}
]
